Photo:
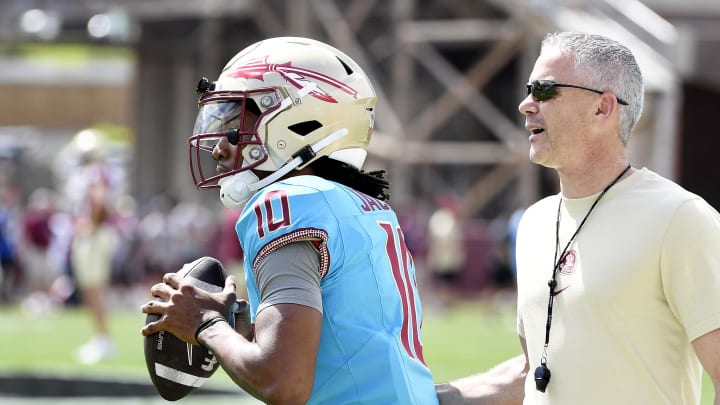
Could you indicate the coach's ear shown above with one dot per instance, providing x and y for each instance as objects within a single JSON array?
[
  {"x": 607, "y": 105},
  {"x": 243, "y": 322}
]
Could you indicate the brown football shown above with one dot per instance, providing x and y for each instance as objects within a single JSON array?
[{"x": 177, "y": 368}]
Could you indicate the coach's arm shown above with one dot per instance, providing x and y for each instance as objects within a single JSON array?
[
  {"x": 707, "y": 348},
  {"x": 504, "y": 384}
]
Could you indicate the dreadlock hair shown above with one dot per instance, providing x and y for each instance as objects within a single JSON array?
[{"x": 372, "y": 183}]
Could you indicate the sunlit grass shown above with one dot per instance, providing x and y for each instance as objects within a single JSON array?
[{"x": 468, "y": 338}]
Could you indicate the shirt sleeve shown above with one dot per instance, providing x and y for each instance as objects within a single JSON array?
[
  {"x": 690, "y": 267},
  {"x": 290, "y": 275}
]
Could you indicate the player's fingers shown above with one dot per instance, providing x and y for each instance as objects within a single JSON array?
[
  {"x": 161, "y": 290},
  {"x": 243, "y": 323},
  {"x": 230, "y": 284},
  {"x": 154, "y": 307},
  {"x": 151, "y": 328},
  {"x": 240, "y": 306},
  {"x": 172, "y": 279}
]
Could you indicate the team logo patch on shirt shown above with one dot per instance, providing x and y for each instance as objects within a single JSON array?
[{"x": 567, "y": 263}]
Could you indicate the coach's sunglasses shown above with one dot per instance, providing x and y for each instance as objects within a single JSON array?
[{"x": 543, "y": 90}]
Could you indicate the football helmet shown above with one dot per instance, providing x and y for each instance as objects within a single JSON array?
[{"x": 311, "y": 100}]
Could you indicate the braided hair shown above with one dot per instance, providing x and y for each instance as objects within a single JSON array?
[{"x": 372, "y": 183}]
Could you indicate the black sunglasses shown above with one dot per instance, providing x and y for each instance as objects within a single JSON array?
[{"x": 543, "y": 90}]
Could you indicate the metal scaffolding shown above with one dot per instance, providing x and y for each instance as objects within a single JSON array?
[{"x": 448, "y": 75}]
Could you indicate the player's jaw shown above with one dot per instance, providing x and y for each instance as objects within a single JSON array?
[{"x": 220, "y": 169}]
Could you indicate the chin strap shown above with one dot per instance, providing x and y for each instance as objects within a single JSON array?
[{"x": 300, "y": 157}]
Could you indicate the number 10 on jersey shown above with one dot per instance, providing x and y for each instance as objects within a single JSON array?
[{"x": 400, "y": 261}]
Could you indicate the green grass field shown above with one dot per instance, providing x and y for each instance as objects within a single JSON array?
[{"x": 469, "y": 338}]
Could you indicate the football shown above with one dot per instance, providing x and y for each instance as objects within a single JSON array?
[{"x": 177, "y": 368}]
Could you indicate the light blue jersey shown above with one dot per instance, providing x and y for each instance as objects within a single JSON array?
[{"x": 370, "y": 348}]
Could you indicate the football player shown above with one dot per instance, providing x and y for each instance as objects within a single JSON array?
[{"x": 334, "y": 310}]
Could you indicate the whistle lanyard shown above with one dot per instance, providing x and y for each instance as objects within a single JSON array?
[{"x": 558, "y": 260}]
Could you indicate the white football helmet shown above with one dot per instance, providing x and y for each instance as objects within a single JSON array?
[{"x": 312, "y": 101}]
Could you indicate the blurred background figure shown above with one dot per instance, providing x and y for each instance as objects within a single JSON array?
[
  {"x": 42, "y": 295},
  {"x": 91, "y": 187},
  {"x": 445, "y": 251},
  {"x": 95, "y": 242},
  {"x": 190, "y": 226},
  {"x": 155, "y": 239},
  {"x": 500, "y": 288},
  {"x": 36, "y": 239},
  {"x": 10, "y": 219},
  {"x": 229, "y": 251}
]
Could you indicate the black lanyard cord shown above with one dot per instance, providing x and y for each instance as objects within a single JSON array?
[{"x": 552, "y": 283}]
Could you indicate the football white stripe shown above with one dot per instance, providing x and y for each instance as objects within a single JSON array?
[{"x": 178, "y": 376}]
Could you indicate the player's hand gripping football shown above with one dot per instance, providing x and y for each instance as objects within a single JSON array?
[
  {"x": 183, "y": 307},
  {"x": 243, "y": 321}
]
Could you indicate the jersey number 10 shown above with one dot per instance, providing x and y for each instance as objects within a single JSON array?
[{"x": 400, "y": 260}]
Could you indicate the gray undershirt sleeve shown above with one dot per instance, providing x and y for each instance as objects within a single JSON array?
[{"x": 290, "y": 275}]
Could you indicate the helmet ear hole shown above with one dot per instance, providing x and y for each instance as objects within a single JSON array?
[{"x": 305, "y": 127}]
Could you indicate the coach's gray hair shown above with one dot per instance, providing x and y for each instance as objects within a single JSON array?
[{"x": 605, "y": 65}]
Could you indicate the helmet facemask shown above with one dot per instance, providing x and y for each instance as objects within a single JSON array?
[{"x": 224, "y": 115}]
